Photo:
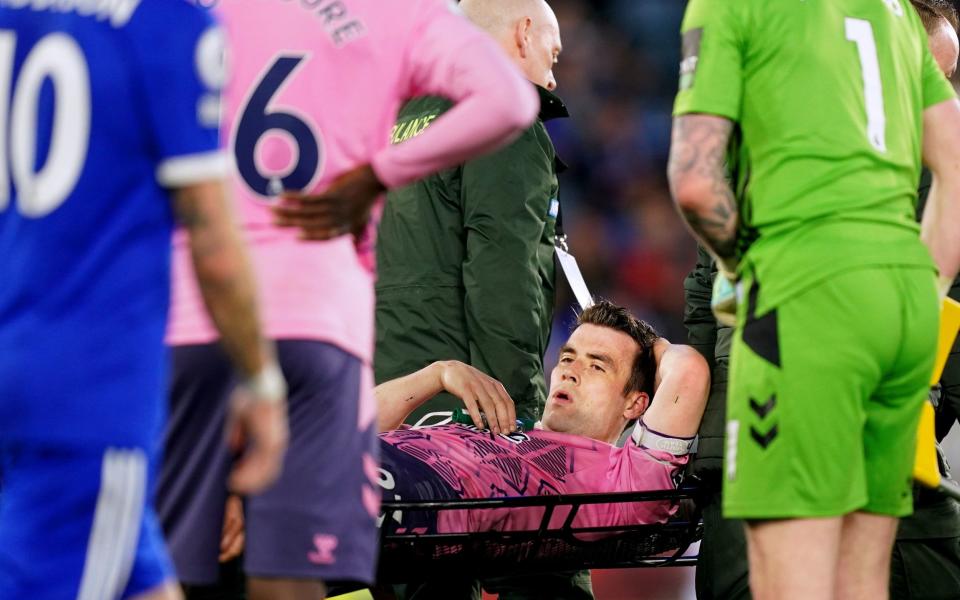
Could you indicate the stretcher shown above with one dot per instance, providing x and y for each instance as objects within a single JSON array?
[{"x": 409, "y": 556}]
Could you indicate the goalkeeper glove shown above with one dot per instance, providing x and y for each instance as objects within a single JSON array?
[{"x": 723, "y": 300}]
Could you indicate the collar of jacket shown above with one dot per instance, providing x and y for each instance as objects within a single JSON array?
[{"x": 551, "y": 107}]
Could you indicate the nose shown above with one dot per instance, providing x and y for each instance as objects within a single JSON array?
[
  {"x": 568, "y": 374},
  {"x": 551, "y": 82}
]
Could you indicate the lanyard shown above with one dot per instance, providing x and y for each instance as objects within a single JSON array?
[{"x": 571, "y": 270}]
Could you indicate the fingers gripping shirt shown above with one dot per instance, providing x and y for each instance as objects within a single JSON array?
[
  {"x": 467, "y": 463},
  {"x": 828, "y": 98}
]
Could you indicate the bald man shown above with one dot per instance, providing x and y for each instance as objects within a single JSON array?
[
  {"x": 527, "y": 30},
  {"x": 466, "y": 258},
  {"x": 466, "y": 261}
]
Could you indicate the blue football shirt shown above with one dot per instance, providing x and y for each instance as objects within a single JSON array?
[{"x": 104, "y": 108}]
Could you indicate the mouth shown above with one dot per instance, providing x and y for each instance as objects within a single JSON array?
[{"x": 561, "y": 397}]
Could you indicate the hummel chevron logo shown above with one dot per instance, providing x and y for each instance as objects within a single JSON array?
[
  {"x": 764, "y": 409},
  {"x": 324, "y": 546},
  {"x": 764, "y": 439}
]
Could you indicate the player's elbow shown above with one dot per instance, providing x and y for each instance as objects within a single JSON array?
[
  {"x": 517, "y": 108},
  {"x": 690, "y": 191},
  {"x": 697, "y": 368},
  {"x": 528, "y": 107},
  {"x": 687, "y": 361}
]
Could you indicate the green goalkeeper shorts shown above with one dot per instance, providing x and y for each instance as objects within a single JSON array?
[{"x": 825, "y": 394}]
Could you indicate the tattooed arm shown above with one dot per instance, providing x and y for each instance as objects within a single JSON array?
[
  {"x": 699, "y": 185},
  {"x": 224, "y": 273}
]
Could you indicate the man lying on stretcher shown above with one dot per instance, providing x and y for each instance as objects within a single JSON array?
[{"x": 608, "y": 370}]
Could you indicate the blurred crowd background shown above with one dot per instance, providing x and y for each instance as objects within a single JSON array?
[{"x": 618, "y": 75}]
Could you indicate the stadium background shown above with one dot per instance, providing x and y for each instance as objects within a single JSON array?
[{"x": 618, "y": 75}]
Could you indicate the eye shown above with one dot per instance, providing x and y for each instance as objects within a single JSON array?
[
  {"x": 566, "y": 359},
  {"x": 597, "y": 367}
]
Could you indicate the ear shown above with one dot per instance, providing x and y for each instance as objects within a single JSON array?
[
  {"x": 636, "y": 405},
  {"x": 522, "y": 35}
]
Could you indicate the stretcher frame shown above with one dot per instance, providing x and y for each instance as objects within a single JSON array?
[{"x": 407, "y": 556}]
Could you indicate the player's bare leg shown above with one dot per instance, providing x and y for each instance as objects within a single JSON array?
[
  {"x": 863, "y": 569},
  {"x": 286, "y": 589},
  {"x": 166, "y": 591},
  {"x": 794, "y": 558}
]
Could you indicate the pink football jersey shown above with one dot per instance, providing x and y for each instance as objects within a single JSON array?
[
  {"x": 315, "y": 89},
  {"x": 538, "y": 463}
]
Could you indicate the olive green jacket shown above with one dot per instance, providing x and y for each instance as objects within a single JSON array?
[
  {"x": 465, "y": 263},
  {"x": 712, "y": 340}
]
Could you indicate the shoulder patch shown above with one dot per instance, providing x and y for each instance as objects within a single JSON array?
[{"x": 690, "y": 56}]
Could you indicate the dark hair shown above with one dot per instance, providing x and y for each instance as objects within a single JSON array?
[
  {"x": 607, "y": 314},
  {"x": 931, "y": 11}
]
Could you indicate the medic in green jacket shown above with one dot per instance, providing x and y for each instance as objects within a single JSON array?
[{"x": 465, "y": 263}]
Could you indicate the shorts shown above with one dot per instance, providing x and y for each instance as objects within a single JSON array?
[
  {"x": 318, "y": 521},
  {"x": 825, "y": 396},
  {"x": 78, "y": 524}
]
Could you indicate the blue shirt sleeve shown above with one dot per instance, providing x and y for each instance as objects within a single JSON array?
[{"x": 180, "y": 61}]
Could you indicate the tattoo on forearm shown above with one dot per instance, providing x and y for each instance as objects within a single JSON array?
[
  {"x": 189, "y": 213},
  {"x": 205, "y": 236},
  {"x": 698, "y": 150},
  {"x": 224, "y": 277}
]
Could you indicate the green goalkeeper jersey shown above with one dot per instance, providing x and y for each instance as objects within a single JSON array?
[{"x": 828, "y": 97}]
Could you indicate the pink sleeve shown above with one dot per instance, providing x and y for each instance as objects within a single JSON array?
[{"x": 493, "y": 103}]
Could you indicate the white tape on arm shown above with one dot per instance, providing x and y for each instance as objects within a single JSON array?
[{"x": 652, "y": 440}]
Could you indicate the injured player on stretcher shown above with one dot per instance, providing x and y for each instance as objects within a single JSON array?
[{"x": 613, "y": 372}]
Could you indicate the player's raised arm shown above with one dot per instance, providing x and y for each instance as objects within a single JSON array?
[
  {"x": 493, "y": 104},
  {"x": 680, "y": 390},
  {"x": 941, "y": 219}
]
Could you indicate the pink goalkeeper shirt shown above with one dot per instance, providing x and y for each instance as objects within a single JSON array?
[
  {"x": 315, "y": 89},
  {"x": 537, "y": 463}
]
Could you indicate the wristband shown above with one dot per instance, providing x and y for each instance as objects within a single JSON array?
[{"x": 267, "y": 385}]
